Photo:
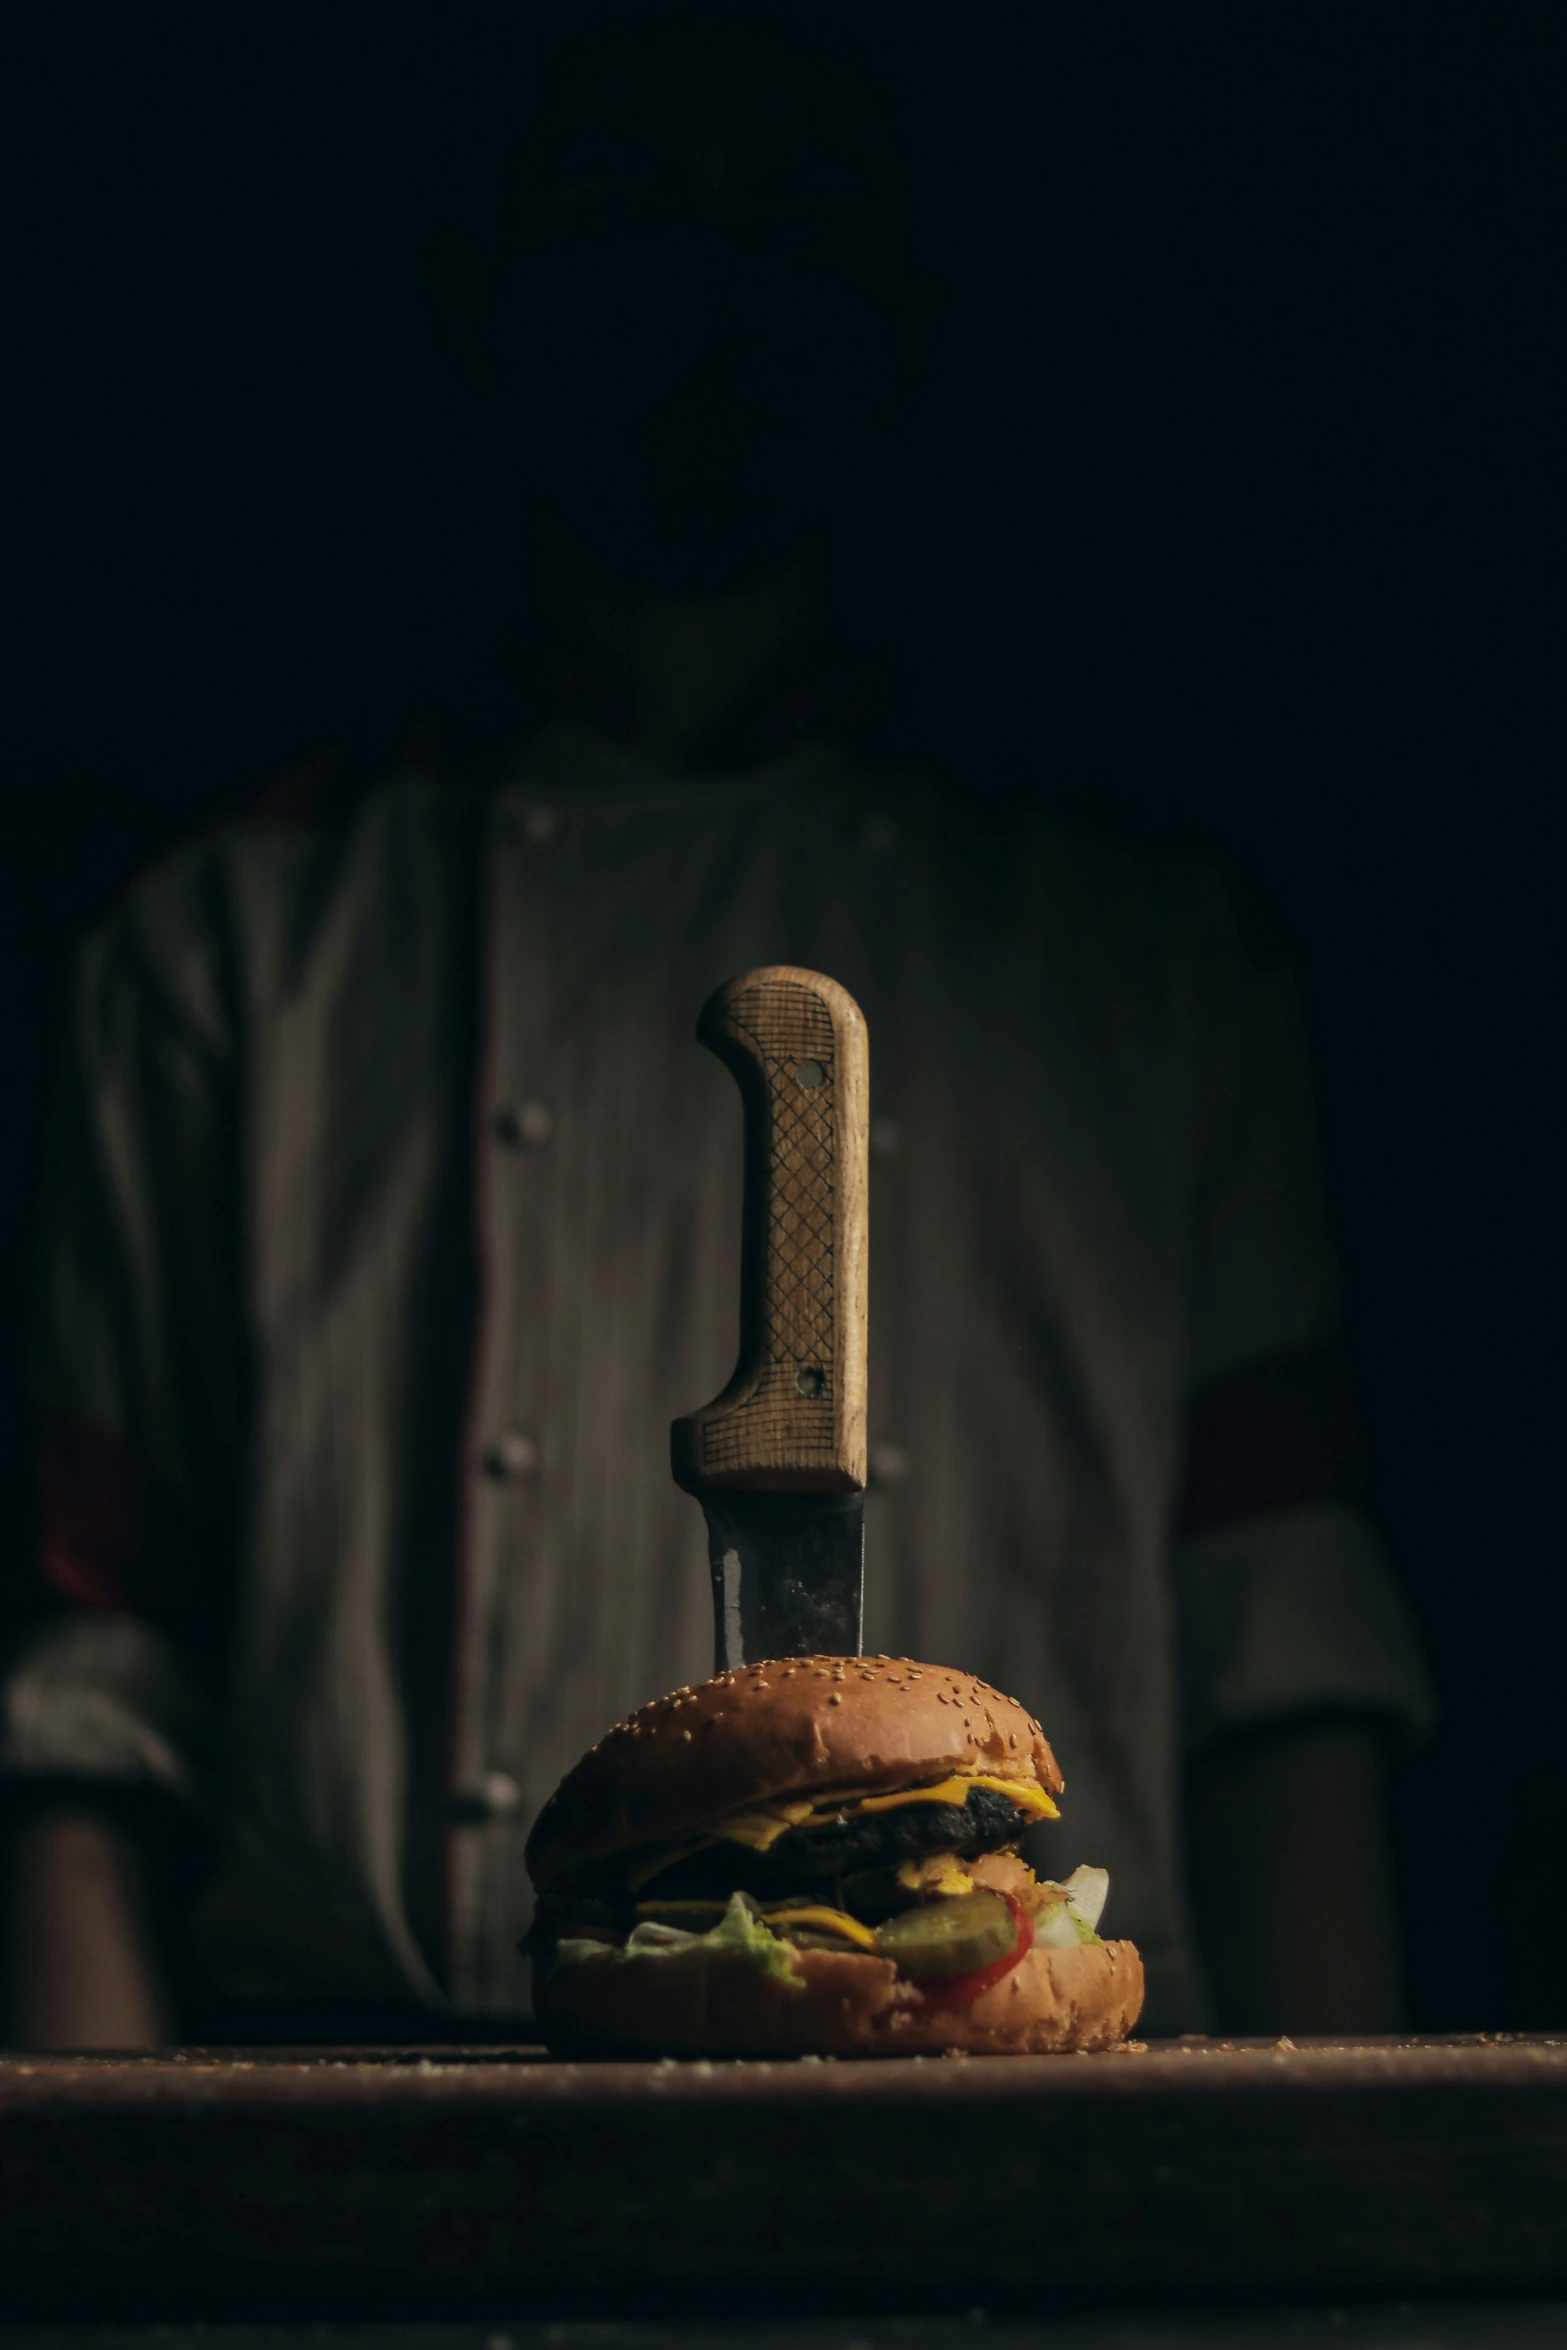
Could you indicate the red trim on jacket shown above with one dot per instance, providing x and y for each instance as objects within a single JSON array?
[
  {"x": 97, "y": 1504},
  {"x": 1276, "y": 1434}
]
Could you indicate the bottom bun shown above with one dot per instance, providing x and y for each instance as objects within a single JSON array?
[{"x": 723, "y": 2004}]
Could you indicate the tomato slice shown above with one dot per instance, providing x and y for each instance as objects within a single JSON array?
[{"x": 959, "y": 1990}]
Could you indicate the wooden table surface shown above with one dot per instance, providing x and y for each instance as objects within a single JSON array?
[{"x": 453, "y": 2182}]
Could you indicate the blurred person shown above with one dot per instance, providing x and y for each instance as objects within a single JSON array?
[{"x": 391, "y": 1212}]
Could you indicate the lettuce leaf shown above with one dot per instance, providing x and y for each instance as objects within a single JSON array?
[{"x": 739, "y": 1929}]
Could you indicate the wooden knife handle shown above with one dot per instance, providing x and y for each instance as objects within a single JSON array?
[{"x": 792, "y": 1419}]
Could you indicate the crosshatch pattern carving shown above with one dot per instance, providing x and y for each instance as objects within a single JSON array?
[
  {"x": 792, "y": 1417},
  {"x": 789, "y": 1024}
]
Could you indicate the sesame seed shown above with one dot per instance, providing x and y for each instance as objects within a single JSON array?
[
  {"x": 835, "y": 1699},
  {"x": 686, "y": 1735}
]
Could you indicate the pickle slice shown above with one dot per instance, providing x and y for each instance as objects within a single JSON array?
[{"x": 952, "y": 1937}]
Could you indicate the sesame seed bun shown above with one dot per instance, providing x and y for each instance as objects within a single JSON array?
[
  {"x": 702, "y": 2004},
  {"x": 768, "y": 1731}
]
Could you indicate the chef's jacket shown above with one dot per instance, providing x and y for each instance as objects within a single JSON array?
[{"x": 392, "y": 1213}]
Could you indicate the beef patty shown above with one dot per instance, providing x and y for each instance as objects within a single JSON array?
[{"x": 805, "y": 1857}]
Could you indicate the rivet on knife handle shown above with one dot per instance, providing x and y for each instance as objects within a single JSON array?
[{"x": 792, "y": 1419}]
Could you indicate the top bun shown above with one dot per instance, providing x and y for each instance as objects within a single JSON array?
[{"x": 767, "y": 1731}]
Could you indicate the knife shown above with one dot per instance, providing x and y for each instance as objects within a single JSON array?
[{"x": 778, "y": 1459}]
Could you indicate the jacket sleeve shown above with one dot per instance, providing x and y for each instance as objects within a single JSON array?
[
  {"x": 137, "y": 1359},
  {"x": 1287, "y": 1604}
]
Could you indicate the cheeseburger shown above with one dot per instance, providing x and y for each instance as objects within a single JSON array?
[{"x": 818, "y": 1856}]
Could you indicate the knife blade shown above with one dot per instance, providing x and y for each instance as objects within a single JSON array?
[{"x": 777, "y": 1460}]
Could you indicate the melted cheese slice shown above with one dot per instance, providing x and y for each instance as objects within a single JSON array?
[
  {"x": 825, "y": 1919},
  {"x": 1022, "y": 1792},
  {"x": 658, "y": 1857},
  {"x": 758, "y": 1829},
  {"x": 938, "y": 1872}
]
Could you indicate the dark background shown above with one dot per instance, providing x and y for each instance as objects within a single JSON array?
[{"x": 1231, "y": 509}]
